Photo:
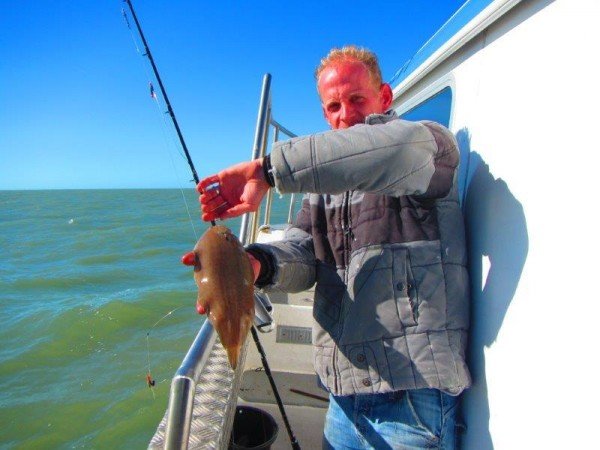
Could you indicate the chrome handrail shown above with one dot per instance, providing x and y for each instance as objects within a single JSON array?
[
  {"x": 283, "y": 129},
  {"x": 291, "y": 210},
  {"x": 258, "y": 150},
  {"x": 183, "y": 387},
  {"x": 278, "y": 127}
]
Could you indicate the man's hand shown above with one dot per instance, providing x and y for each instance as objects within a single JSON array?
[
  {"x": 187, "y": 259},
  {"x": 234, "y": 191},
  {"x": 255, "y": 263}
]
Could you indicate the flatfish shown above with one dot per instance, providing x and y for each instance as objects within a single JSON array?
[{"x": 224, "y": 277}]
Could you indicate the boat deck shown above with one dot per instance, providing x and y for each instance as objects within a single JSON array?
[{"x": 289, "y": 352}]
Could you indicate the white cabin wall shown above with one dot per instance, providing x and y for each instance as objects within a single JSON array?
[
  {"x": 525, "y": 112},
  {"x": 526, "y": 103}
]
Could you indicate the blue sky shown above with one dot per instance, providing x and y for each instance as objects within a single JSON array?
[{"x": 75, "y": 110}]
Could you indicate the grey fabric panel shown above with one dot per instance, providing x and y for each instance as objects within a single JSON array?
[
  {"x": 446, "y": 370},
  {"x": 452, "y": 234},
  {"x": 454, "y": 257},
  {"x": 458, "y": 344},
  {"x": 450, "y": 360},
  {"x": 395, "y": 158},
  {"x": 322, "y": 357},
  {"x": 443, "y": 359},
  {"x": 423, "y": 360},
  {"x": 429, "y": 294},
  {"x": 426, "y": 373},
  {"x": 370, "y": 306},
  {"x": 446, "y": 161},
  {"x": 370, "y": 371},
  {"x": 294, "y": 261},
  {"x": 330, "y": 294},
  {"x": 399, "y": 357},
  {"x": 457, "y": 310},
  {"x": 392, "y": 289},
  {"x": 379, "y": 370},
  {"x": 364, "y": 381}
]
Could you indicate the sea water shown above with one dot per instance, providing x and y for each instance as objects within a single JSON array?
[{"x": 85, "y": 275}]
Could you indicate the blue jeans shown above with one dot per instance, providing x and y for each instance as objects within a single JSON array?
[{"x": 415, "y": 419}]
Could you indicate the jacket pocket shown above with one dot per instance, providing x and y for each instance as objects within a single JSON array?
[
  {"x": 427, "y": 292},
  {"x": 329, "y": 294},
  {"x": 377, "y": 305},
  {"x": 405, "y": 291}
]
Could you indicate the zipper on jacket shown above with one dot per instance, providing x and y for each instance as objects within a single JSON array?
[
  {"x": 411, "y": 291},
  {"x": 347, "y": 233},
  {"x": 336, "y": 382}
]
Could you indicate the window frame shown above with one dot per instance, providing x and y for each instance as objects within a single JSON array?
[{"x": 426, "y": 94}]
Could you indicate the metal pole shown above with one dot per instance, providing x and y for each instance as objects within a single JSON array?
[
  {"x": 291, "y": 211},
  {"x": 283, "y": 129},
  {"x": 261, "y": 128},
  {"x": 262, "y": 152}
]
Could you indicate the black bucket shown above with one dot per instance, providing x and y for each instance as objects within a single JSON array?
[{"x": 252, "y": 429}]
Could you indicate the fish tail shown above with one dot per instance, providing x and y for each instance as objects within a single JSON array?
[{"x": 233, "y": 354}]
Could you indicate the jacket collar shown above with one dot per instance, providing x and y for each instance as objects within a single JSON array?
[{"x": 378, "y": 119}]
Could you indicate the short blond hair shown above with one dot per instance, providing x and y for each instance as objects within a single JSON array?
[{"x": 354, "y": 54}]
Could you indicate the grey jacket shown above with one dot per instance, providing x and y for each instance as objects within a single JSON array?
[{"x": 381, "y": 234}]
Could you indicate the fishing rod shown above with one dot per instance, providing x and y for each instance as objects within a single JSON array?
[
  {"x": 148, "y": 53},
  {"x": 259, "y": 347},
  {"x": 263, "y": 357}
]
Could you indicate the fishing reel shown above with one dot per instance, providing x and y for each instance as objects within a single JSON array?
[{"x": 263, "y": 319}]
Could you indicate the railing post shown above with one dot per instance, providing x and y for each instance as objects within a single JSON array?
[
  {"x": 262, "y": 128},
  {"x": 291, "y": 210}
]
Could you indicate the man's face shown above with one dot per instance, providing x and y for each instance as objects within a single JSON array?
[{"x": 348, "y": 95}]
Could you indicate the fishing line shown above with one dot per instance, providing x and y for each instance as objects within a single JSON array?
[
  {"x": 174, "y": 146},
  {"x": 167, "y": 131},
  {"x": 170, "y": 111},
  {"x": 151, "y": 381}
]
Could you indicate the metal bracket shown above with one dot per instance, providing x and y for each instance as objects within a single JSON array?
[{"x": 263, "y": 320}]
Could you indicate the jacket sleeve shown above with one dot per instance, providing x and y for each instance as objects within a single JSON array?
[
  {"x": 291, "y": 261},
  {"x": 394, "y": 158}
]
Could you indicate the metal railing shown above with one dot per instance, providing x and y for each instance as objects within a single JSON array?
[
  {"x": 184, "y": 383},
  {"x": 277, "y": 128},
  {"x": 280, "y": 128},
  {"x": 183, "y": 388}
]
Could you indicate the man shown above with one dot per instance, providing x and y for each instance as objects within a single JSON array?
[{"x": 380, "y": 232}]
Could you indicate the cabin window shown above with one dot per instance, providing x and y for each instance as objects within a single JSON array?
[{"x": 436, "y": 108}]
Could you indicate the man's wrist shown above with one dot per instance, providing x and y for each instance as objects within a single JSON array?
[
  {"x": 268, "y": 170},
  {"x": 267, "y": 266}
]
